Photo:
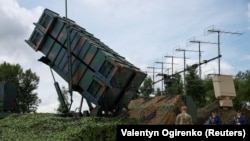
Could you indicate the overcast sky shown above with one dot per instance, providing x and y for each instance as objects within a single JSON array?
[{"x": 142, "y": 31}]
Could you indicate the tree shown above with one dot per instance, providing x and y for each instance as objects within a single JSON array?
[
  {"x": 28, "y": 99},
  {"x": 242, "y": 82},
  {"x": 195, "y": 87},
  {"x": 209, "y": 89},
  {"x": 147, "y": 87},
  {"x": 26, "y": 83},
  {"x": 158, "y": 91},
  {"x": 10, "y": 73},
  {"x": 176, "y": 84},
  {"x": 167, "y": 83}
]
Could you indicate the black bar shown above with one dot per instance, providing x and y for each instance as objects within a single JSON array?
[{"x": 180, "y": 132}]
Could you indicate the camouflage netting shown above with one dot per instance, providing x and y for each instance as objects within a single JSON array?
[
  {"x": 226, "y": 114},
  {"x": 155, "y": 110},
  {"x": 163, "y": 110}
]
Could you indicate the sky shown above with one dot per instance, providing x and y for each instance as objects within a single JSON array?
[{"x": 142, "y": 31}]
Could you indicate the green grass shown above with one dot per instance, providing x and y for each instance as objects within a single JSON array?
[{"x": 49, "y": 127}]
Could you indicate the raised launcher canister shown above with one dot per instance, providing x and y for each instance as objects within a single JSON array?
[
  {"x": 224, "y": 89},
  {"x": 99, "y": 74}
]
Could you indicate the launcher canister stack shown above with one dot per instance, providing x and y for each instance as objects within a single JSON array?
[{"x": 99, "y": 74}]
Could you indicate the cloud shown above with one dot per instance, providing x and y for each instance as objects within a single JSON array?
[{"x": 16, "y": 25}]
